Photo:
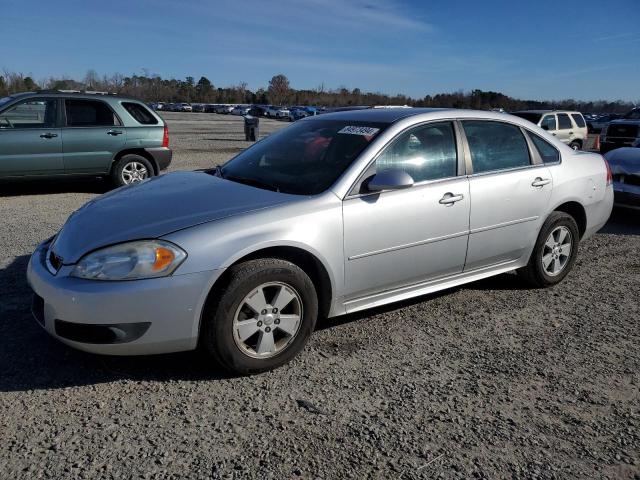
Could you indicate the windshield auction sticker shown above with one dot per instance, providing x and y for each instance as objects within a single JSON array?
[{"x": 364, "y": 131}]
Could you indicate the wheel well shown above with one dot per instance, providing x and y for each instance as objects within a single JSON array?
[
  {"x": 577, "y": 212},
  {"x": 137, "y": 151},
  {"x": 303, "y": 259}
]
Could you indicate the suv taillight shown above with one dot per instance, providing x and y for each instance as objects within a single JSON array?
[
  {"x": 609, "y": 173},
  {"x": 165, "y": 137}
]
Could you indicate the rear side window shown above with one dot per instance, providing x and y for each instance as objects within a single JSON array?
[
  {"x": 579, "y": 120},
  {"x": 547, "y": 152},
  {"x": 89, "y": 113},
  {"x": 426, "y": 153},
  {"x": 140, "y": 113},
  {"x": 496, "y": 146},
  {"x": 549, "y": 122},
  {"x": 563, "y": 121}
]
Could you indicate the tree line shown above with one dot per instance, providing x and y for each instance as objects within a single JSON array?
[{"x": 154, "y": 88}]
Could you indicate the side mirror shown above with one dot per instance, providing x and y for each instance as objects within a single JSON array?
[
  {"x": 392, "y": 179},
  {"x": 544, "y": 127}
]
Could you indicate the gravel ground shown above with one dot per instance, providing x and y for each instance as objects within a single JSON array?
[{"x": 490, "y": 380}]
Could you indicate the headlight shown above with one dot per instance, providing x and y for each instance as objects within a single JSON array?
[{"x": 130, "y": 261}]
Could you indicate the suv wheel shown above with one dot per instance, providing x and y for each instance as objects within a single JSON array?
[
  {"x": 554, "y": 253},
  {"x": 575, "y": 145},
  {"x": 131, "y": 169},
  {"x": 262, "y": 319}
]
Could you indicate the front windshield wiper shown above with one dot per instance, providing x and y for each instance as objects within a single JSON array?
[{"x": 252, "y": 182}]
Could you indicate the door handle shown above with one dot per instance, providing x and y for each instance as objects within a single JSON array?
[
  {"x": 449, "y": 198},
  {"x": 49, "y": 135},
  {"x": 114, "y": 132},
  {"x": 541, "y": 182}
]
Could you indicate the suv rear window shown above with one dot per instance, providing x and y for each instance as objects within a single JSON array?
[
  {"x": 579, "y": 120},
  {"x": 89, "y": 113},
  {"x": 140, "y": 113},
  {"x": 563, "y": 121}
]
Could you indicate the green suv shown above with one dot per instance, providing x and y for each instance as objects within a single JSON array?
[{"x": 71, "y": 133}]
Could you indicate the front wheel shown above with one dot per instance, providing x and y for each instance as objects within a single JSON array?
[
  {"x": 554, "y": 253},
  {"x": 262, "y": 318}
]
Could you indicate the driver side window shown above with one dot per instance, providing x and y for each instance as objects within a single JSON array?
[
  {"x": 32, "y": 113},
  {"x": 549, "y": 121},
  {"x": 427, "y": 152}
]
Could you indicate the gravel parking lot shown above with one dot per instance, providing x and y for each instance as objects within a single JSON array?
[{"x": 489, "y": 380}]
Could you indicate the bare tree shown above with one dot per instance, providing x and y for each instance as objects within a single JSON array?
[{"x": 279, "y": 89}]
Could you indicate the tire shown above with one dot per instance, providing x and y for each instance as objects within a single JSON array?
[
  {"x": 576, "y": 145},
  {"x": 536, "y": 273},
  {"x": 236, "y": 348},
  {"x": 135, "y": 165}
]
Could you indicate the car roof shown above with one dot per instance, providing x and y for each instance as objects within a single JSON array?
[
  {"x": 74, "y": 94},
  {"x": 546, "y": 111},
  {"x": 381, "y": 115}
]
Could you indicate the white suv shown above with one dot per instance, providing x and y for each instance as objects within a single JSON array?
[{"x": 569, "y": 127}]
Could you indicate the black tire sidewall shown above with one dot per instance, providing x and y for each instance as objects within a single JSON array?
[
  {"x": 116, "y": 172},
  {"x": 218, "y": 337},
  {"x": 554, "y": 221}
]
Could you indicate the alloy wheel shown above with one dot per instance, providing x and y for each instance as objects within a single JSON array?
[
  {"x": 267, "y": 320},
  {"x": 134, "y": 172},
  {"x": 556, "y": 251}
]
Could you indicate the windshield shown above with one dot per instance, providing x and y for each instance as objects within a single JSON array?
[
  {"x": 305, "y": 158},
  {"x": 532, "y": 117},
  {"x": 5, "y": 100}
]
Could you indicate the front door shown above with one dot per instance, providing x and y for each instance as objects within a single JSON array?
[
  {"x": 565, "y": 128},
  {"x": 509, "y": 194},
  {"x": 30, "y": 140},
  {"x": 93, "y": 135},
  {"x": 403, "y": 237}
]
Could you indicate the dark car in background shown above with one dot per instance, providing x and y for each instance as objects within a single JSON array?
[
  {"x": 625, "y": 168},
  {"x": 624, "y": 132},
  {"x": 60, "y": 133},
  {"x": 597, "y": 122}
]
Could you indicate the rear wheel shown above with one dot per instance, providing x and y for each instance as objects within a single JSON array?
[
  {"x": 262, "y": 318},
  {"x": 576, "y": 145},
  {"x": 554, "y": 253},
  {"x": 131, "y": 169}
]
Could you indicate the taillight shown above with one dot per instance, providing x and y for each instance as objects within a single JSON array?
[
  {"x": 165, "y": 137},
  {"x": 609, "y": 173}
]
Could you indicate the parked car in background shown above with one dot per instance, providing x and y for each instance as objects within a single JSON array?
[
  {"x": 183, "y": 107},
  {"x": 277, "y": 112},
  {"x": 213, "y": 259},
  {"x": 625, "y": 167},
  {"x": 198, "y": 107},
  {"x": 157, "y": 106},
  {"x": 297, "y": 113},
  {"x": 224, "y": 109},
  {"x": 624, "y": 132},
  {"x": 595, "y": 124},
  {"x": 53, "y": 133},
  {"x": 569, "y": 127},
  {"x": 241, "y": 110}
]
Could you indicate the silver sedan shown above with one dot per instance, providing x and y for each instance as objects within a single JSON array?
[{"x": 334, "y": 214}]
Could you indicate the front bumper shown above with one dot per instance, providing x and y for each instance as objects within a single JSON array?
[
  {"x": 162, "y": 156},
  {"x": 159, "y": 315}
]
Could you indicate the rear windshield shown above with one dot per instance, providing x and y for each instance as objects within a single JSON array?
[
  {"x": 305, "y": 158},
  {"x": 579, "y": 120},
  {"x": 532, "y": 117},
  {"x": 140, "y": 113}
]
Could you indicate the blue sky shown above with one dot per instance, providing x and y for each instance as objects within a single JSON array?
[{"x": 539, "y": 49}]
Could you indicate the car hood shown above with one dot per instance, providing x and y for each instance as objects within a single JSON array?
[
  {"x": 625, "y": 161},
  {"x": 155, "y": 208}
]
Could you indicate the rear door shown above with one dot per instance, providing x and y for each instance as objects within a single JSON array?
[
  {"x": 93, "y": 135},
  {"x": 565, "y": 128},
  {"x": 30, "y": 138},
  {"x": 509, "y": 193}
]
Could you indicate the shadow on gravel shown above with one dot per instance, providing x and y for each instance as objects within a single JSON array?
[
  {"x": 32, "y": 360},
  {"x": 623, "y": 221},
  {"x": 15, "y": 188}
]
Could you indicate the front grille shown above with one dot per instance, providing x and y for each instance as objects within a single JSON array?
[
  {"x": 37, "y": 308},
  {"x": 627, "y": 179},
  {"x": 622, "y": 130}
]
